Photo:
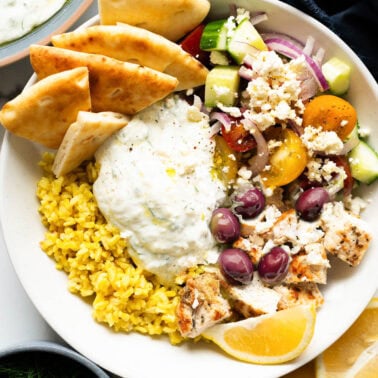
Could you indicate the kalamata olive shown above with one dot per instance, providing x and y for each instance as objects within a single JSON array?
[
  {"x": 236, "y": 265},
  {"x": 274, "y": 265},
  {"x": 250, "y": 204},
  {"x": 224, "y": 225},
  {"x": 310, "y": 203}
]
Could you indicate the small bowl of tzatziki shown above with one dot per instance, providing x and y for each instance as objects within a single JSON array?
[{"x": 24, "y": 22}]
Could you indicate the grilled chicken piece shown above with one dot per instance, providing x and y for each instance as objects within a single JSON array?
[
  {"x": 201, "y": 305},
  {"x": 309, "y": 265},
  {"x": 252, "y": 299},
  {"x": 262, "y": 224},
  {"x": 290, "y": 229},
  {"x": 346, "y": 235},
  {"x": 294, "y": 295},
  {"x": 253, "y": 247}
]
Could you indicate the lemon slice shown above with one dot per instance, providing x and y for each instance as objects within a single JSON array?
[
  {"x": 355, "y": 353},
  {"x": 267, "y": 339}
]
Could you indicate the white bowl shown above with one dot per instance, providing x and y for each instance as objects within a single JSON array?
[
  {"x": 137, "y": 356},
  {"x": 15, "y": 50}
]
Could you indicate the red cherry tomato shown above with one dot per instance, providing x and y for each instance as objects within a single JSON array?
[
  {"x": 238, "y": 138},
  {"x": 191, "y": 44}
]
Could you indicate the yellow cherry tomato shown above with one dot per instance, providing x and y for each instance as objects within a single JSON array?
[
  {"x": 331, "y": 113},
  {"x": 288, "y": 161},
  {"x": 225, "y": 160}
]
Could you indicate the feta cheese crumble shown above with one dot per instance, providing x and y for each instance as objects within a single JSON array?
[
  {"x": 317, "y": 140},
  {"x": 272, "y": 95}
]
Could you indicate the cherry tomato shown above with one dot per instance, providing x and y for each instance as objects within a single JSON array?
[
  {"x": 191, "y": 44},
  {"x": 288, "y": 161},
  {"x": 331, "y": 113},
  {"x": 225, "y": 160},
  {"x": 238, "y": 138}
]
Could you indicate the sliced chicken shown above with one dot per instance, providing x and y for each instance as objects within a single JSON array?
[
  {"x": 293, "y": 295},
  {"x": 346, "y": 235},
  {"x": 309, "y": 265},
  {"x": 253, "y": 299},
  {"x": 201, "y": 305}
]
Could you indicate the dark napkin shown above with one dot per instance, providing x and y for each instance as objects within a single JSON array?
[{"x": 354, "y": 21}]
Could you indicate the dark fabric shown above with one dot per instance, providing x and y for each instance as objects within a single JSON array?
[{"x": 354, "y": 21}]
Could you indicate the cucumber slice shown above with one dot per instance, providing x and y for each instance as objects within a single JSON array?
[
  {"x": 337, "y": 74},
  {"x": 214, "y": 36},
  {"x": 363, "y": 161},
  {"x": 244, "y": 40},
  {"x": 222, "y": 85}
]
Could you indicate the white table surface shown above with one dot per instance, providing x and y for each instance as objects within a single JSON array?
[{"x": 19, "y": 319}]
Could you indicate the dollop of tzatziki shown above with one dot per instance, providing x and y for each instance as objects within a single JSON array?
[
  {"x": 19, "y": 17},
  {"x": 157, "y": 185}
]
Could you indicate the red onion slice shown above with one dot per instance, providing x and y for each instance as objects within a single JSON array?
[
  {"x": 289, "y": 47},
  {"x": 215, "y": 129},
  {"x": 223, "y": 118},
  {"x": 319, "y": 56},
  {"x": 297, "y": 128},
  {"x": 317, "y": 72},
  {"x": 245, "y": 73},
  {"x": 309, "y": 46},
  {"x": 248, "y": 61},
  {"x": 258, "y": 162}
]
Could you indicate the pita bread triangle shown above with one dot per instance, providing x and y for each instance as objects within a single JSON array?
[
  {"x": 169, "y": 18},
  {"x": 115, "y": 86},
  {"x": 133, "y": 44},
  {"x": 43, "y": 112},
  {"x": 83, "y": 138}
]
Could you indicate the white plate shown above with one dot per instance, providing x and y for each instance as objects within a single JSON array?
[
  {"x": 134, "y": 355},
  {"x": 14, "y": 50}
]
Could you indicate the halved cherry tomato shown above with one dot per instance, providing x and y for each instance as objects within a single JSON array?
[
  {"x": 226, "y": 161},
  {"x": 342, "y": 161},
  {"x": 331, "y": 113},
  {"x": 288, "y": 161},
  {"x": 238, "y": 138},
  {"x": 191, "y": 44}
]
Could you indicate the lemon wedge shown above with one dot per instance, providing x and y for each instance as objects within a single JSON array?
[
  {"x": 267, "y": 339},
  {"x": 355, "y": 353}
]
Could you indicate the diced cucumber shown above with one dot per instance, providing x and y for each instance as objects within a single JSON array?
[
  {"x": 363, "y": 161},
  {"x": 337, "y": 74},
  {"x": 244, "y": 40},
  {"x": 222, "y": 85},
  {"x": 214, "y": 36},
  {"x": 219, "y": 58}
]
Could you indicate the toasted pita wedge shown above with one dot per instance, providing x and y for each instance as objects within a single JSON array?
[
  {"x": 115, "y": 86},
  {"x": 43, "y": 112},
  {"x": 169, "y": 18},
  {"x": 136, "y": 45},
  {"x": 83, "y": 138}
]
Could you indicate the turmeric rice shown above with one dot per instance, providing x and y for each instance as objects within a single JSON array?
[{"x": 95, "y": 257}]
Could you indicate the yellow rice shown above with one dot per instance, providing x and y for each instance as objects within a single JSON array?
[{"x": 95, "y": 258}]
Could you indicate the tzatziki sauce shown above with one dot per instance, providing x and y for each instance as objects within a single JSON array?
[
  {"x": 158, "y": 185},
  {"x": 19, "y": 17}
]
